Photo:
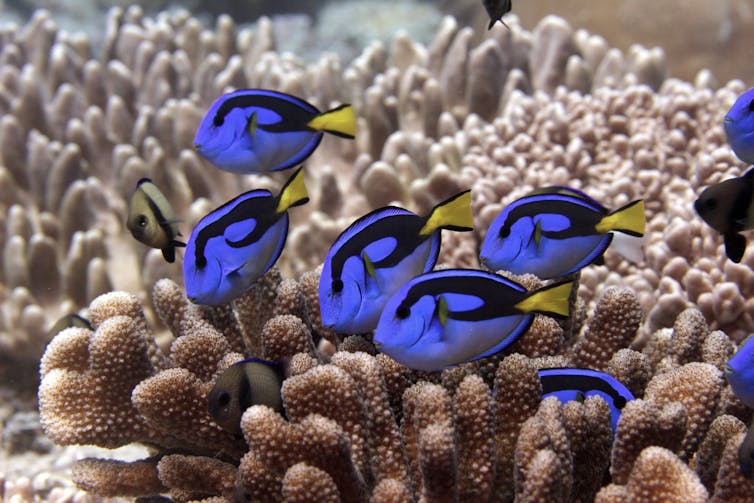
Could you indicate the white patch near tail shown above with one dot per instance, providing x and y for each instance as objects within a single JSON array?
[{"x": 631, "y": 247}]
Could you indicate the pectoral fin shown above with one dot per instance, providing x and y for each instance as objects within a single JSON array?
[
  {"x": 735, "y": 246},
  {"x": 442, "y": 310},
  {"x": 538, "y": 232},
  {"x": 251, "y": 127},
  {"x": 369, "y": 265}
]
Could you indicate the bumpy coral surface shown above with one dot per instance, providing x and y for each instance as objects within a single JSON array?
[{"x": 517, "y": 111}]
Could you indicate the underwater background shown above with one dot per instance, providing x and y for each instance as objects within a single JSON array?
[{"x": 623, "y": 100}]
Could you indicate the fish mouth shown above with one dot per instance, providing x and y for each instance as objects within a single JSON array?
[
  {"x": 727, "y": 120},
  {"x": 728, "y": 369}
]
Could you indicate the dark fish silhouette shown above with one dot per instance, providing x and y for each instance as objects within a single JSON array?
[{"x": 496, "y": 9}]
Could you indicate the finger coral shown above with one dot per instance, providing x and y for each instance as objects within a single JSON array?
[{"x": 516, "y": 111}]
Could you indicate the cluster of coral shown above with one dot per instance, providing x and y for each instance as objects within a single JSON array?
[{"x": 519, "y": 110}]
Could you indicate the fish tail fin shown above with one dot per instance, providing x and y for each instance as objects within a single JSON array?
[
  {"x": 340, "y": 121},
  {"x": 293, "y": 192},
  {"x": 168, "y": 253},
  {"x": 453, "y": 214},
  {"x": 628, "y": 219},
  {"x": 552, "y": 300},
  {"x": 630, "y": 247}
]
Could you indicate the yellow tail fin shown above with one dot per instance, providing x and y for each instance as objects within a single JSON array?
[
  {"x": 454, "y": 214},
  {"x": 340, "y": 121},
  {"x": 550, "y": 300},
  {"x": 629, "y": 219},
  {"x": 293, "y": 192}
]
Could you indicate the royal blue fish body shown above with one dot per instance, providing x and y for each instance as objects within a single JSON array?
[
  {"x": 555, "y": 231},
  {"x": 447, "y": 317},
  {"x": 739, "y": 126},
  {"x": 740, "y": 372},
  {"x": 351, "y": 299},
  {"x": 232, "y": 247},
  {"x": 257, "y": 130},
  {"x": 576, "y": 384}
]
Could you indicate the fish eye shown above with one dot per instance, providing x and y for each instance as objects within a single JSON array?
[
  {"x": 223, "y": 399},
  {"x": 142, "y": 220},
  {"x": 711, "y": 203},
  {"x": 403, "y": 312},
  {"x": 505, "y": 231},
  {"x": 218, "y": 120},
  {"x": 751, "y": 106},
  {"x": 619, "y": 402},
  {"x": 337, "y": 285}
]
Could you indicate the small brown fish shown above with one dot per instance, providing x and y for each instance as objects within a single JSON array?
[
  {"x": 245, "y": 383},
  {"x": 151, "y": 219},
  {"x": 728, "y": 207},
  {"x": 68, "y": 321},
  {"x": 496, "y": 9}
]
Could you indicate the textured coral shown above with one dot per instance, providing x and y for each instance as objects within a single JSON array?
[{"x": 516, "y": 111}]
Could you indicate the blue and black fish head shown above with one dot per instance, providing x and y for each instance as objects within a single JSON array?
[
  {"x": 340, "y": 297},
  {"x": 739, "y": 121},
  {"x": 740, "y": 372},
  {"x": 218, "y": 132},
  {"x": 403, "y": 325},
  {"x": 504, "y": 242},
  {"x": 201, "y": 277}
]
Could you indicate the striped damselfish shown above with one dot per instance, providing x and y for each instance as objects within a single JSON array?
[
  {"x": 243, "y": 384},
  {"x": 377, "y": 254},
  {"x": 235, "y": 244},
  {"x": 260, "y": 130},
  {"x": 447, "y": 317},
  {"x": 576, "y": 384},
  {"x": 151, "y": 219},
  {"x": 728, "y": 207},
  {"x": 555, "y": 231}
]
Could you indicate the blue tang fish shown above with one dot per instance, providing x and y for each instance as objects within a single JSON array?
[
  {"x": 373, "y": 257},
  {"x": 235, "y": 244},
  {"x": 740, "y": 372},
  {"x": 555, "y": 231},
  {"x": 576, "y": 384},
  {"x": 447, "y": 317},
  {"x": 739, "y": 126},
  {"x": 728, "y": 207},
  {"x": 259, "y": 130}
]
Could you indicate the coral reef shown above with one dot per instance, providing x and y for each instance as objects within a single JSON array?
[{"x": 518, "y": 110}]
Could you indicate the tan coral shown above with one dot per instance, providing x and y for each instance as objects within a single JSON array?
[
  {"x": 707, "y": 459},
  {"x": 193, "y": 477},
  {"x": 614, "y": 325},
  {"x": 659, "y": 475},
  {"x": 110, "y": 478},
  {"x": 697, "y": 387},
  {"x": 89, "y": 400},
  {"x": 731, "y": 485}
]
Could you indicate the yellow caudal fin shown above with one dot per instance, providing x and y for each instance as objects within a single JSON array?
[
  {"x": 629, "y": 219},
  {"x": 453, "y": 214},
  {"x": 551, "y": 300},
  {"x": 340, "y": 121},
  {"x": 293, "y": 192}
]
